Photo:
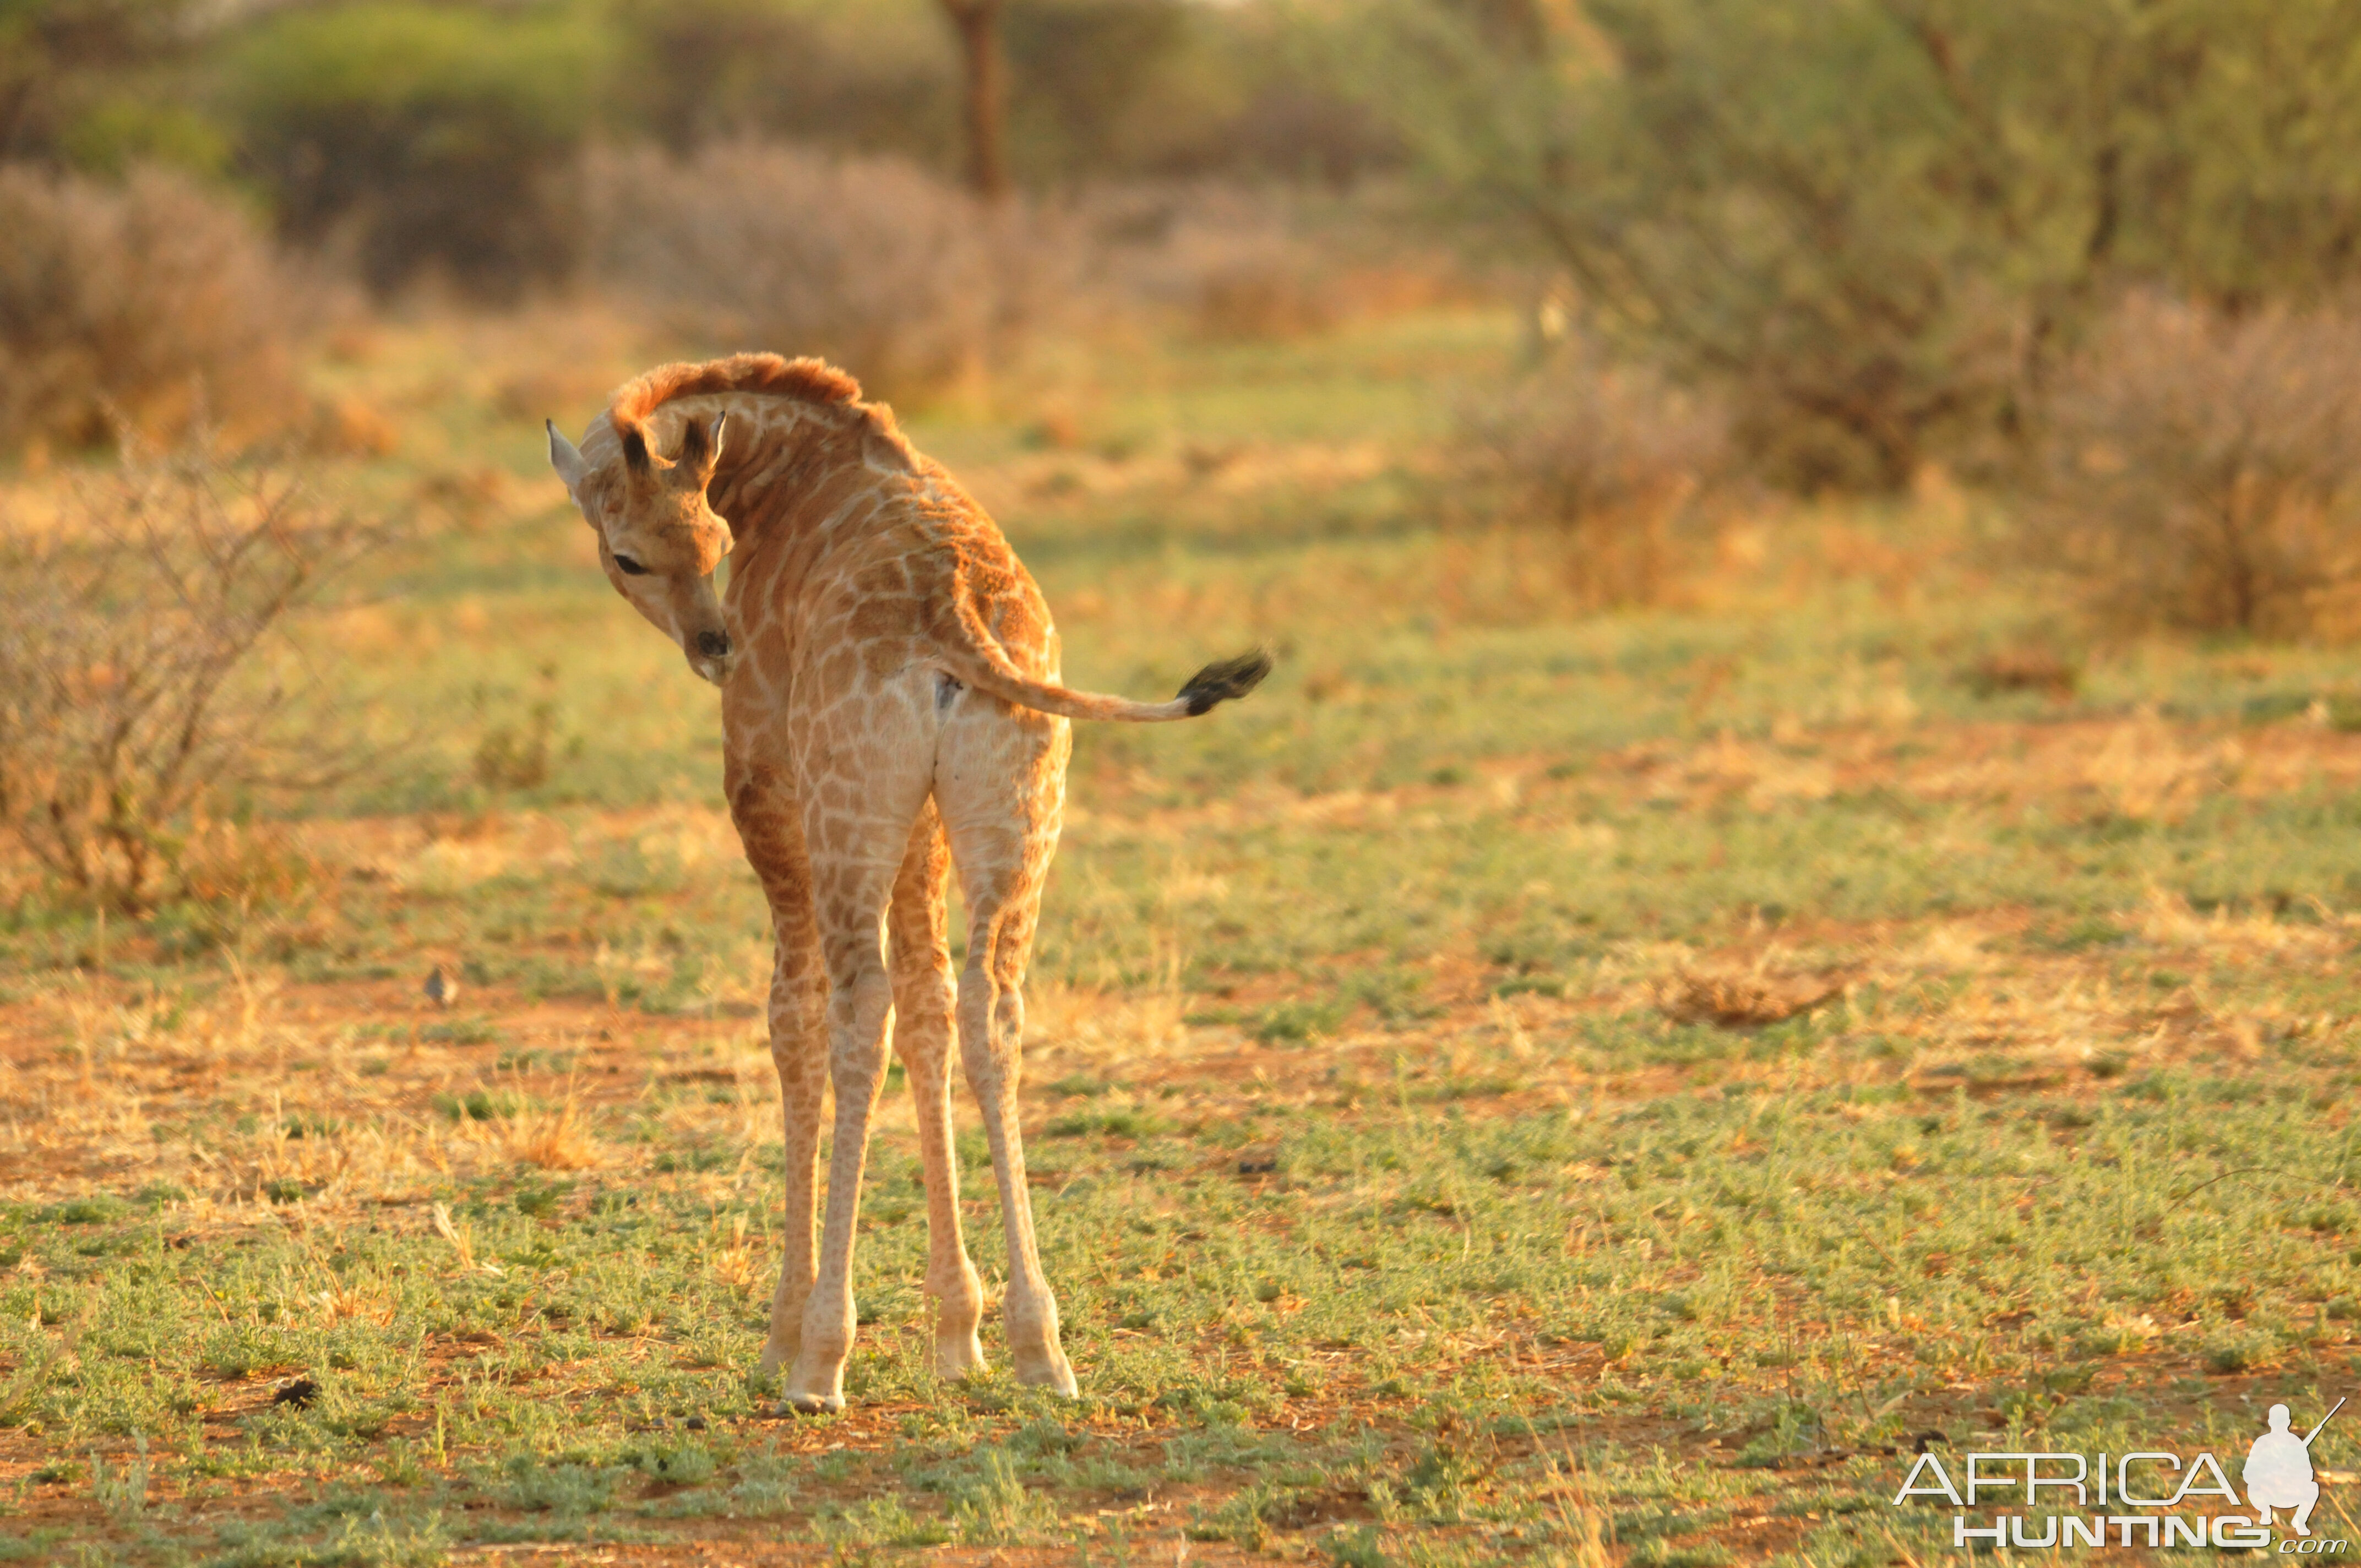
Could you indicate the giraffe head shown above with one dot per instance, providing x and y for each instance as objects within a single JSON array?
[{"x": 658, "y": 537}]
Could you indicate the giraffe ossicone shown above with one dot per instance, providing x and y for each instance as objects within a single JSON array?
[{"x": 892, "y": 716}]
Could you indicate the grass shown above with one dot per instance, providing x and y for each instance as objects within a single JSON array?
[{"x": 1524, "y": 1088}]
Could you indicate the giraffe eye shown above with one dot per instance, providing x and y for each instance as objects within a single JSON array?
[{"x": 630, "y": 567}]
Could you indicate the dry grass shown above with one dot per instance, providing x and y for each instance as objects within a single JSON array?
[
  {"x": 346, "y": 1089},
  {"x": 556, "y": 1137},
  {"x": 1743, "y": 999},
  {"x": 361, "y": 1121}
]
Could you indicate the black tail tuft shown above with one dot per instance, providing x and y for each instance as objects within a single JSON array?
[{"x": 1224, "y": 680}]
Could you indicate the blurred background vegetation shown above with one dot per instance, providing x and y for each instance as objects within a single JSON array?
[
  {"x": 1878, "y": 233},
  {"x": 444, "y": 135}
]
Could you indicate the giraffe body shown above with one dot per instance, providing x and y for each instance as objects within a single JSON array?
[{"x": 892, "y": 716}]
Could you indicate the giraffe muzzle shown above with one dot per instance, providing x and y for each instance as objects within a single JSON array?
[{"x": 712, "y": 655}]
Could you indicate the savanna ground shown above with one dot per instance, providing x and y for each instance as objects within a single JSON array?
[{"x": 1528, "y": 1086}]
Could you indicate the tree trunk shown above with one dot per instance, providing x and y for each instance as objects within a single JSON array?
[{"x": 978, "y": 22}]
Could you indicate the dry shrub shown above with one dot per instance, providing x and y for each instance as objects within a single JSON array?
[
  {"x": 1612, "y": 460},
  {"x": 871, "y": 262},
  {"x": 143, "y": 676},
  {"x": 2027, "y": 668},
  {"x": 349, "y": 427},
  {"x": 154, "y": 303},
  {"x": 2205, "y": 474},
  {"x": 1263, "y": 293},
  {"x": 1234, "y": 264},
  {"x": 1251, "y": 280}
]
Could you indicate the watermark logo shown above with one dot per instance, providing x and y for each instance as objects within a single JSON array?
[
  {"x": 2279, "y": 1471},
  {"x": 2150, "y": 1498}
]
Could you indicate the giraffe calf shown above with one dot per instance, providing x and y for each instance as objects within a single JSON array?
[{"x": 892, "y": 716}]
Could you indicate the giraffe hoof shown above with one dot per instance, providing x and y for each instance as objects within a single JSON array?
[
  {"x": 1052, "y": 1373},
  {"x": 812, "y": 1404},
  {"x": 958, "y": 1357}
]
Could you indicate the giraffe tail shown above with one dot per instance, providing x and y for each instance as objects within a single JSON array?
[
  {"x": 974, "y": 656},
  {"x": 988, "y": 669}
]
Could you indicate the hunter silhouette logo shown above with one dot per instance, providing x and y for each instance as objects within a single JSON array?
[
  {"x": 2279, "y": 1471},
  {"x": 2148, "y": 1497}
]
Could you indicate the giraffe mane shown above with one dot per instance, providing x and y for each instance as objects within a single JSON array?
[{"x": 806, "y": 380}]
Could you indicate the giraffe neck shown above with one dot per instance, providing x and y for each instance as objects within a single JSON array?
[
  {"x": 769, "y": 453},
  {"x": 793, "y": 479}
]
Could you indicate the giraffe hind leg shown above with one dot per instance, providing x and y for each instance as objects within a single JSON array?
[
  {"x": 998, "y": 781},
  {"x": 863, "y": 785},
  {"x": 919, "y": 952}
]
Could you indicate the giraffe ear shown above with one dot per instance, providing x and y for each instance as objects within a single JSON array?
[
  {"x": 698, "y": 453},
  {"x": 567, "y": 458}
]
